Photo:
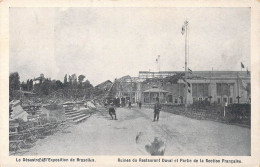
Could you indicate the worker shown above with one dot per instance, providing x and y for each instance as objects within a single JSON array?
[
  {"x": 140, "y": 104},
  {"x": 129, "y": 104},
  {"x": 112, "y": 111},
  {"x": 157, "y": 109}
]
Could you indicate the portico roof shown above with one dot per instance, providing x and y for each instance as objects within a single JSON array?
[{"x": 156, "y": 90}]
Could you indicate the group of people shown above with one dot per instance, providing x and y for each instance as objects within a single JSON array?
[
  {"x": 130, "y": 104},
  {"x": 157, "y": 109}
]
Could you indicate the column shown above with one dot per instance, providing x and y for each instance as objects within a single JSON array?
[{"x": 213, "y": 91}]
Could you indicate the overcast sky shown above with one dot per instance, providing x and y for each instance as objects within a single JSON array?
[{"x": 108, "y": 43}]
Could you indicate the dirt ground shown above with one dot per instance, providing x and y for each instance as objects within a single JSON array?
[{"x": 134, "y": 131}]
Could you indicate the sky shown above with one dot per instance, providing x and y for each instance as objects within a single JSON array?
[{"x": 108, "y": 43}]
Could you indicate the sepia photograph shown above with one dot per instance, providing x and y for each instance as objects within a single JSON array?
[{"x": 129, "y": 81}]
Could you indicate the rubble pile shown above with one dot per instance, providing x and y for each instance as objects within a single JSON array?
[{"x": 30, "y": 122}]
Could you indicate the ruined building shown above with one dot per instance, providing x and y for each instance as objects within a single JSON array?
[{"x": 170, "y": 86}]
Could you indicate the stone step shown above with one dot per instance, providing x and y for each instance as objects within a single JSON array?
[
  {"x": 81, "y": 119},
  {"x": 76, "y": 117},
  {"x": 72, "y": 114},
  {"x": 71, "y": 111}
]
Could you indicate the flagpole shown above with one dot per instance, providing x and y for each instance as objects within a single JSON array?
[
  {"x": 186, "y": 88},
  {"x": 237, "y": 89},
  {"x": 159, "y": 62}
]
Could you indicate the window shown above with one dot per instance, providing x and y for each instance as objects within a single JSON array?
[
  {"x": 218, "y": 100},
  {"x": 176, "y": 100},
  {"x": 194, "y": 90},
  {"x": 170, "y": 98},
  {"x": 200, "y": 89},
  {"x": 225, "y": 99},
  {"x": 230, "y": 100},
  {"x": 223, "y": 89}
]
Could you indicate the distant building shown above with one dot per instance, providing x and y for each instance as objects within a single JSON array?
[
  {"x": 104, "y": 85},
  {"x": 39, "y": 79},
  {"x": 213, "y": 86}
]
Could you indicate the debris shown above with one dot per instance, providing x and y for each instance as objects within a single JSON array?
[
  {"x": 157, "y": 147},
  {"x": 18, "y": 112}
]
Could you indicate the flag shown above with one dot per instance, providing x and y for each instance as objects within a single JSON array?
[
  {"x": 243, "y": 84},
  {"x": 190, "y": 71},
  {"x": 242, "y": 65},
  {"x": 182, "y": 30},
  {"x": 157, "y": 59}
]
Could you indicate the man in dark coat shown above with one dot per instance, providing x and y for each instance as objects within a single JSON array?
[
  {"x": 157, "y": 109},
  {"x": 129, "y": 104},
  {"x": 140, "y": 104},
  {"x": 112, "y": 111}
]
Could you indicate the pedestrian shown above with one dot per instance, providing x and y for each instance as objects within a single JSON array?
[
  {"x": 129, "y": 104},
  {"x": 157, "y": 109},
  {"x": 140, "y": 104},
  {"x": 112, "y": 111}
]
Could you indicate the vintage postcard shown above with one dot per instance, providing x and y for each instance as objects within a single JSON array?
[{"x": 129, "y": 84}]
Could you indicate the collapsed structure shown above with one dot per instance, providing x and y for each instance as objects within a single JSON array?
[{"x": 30, "y": 122}]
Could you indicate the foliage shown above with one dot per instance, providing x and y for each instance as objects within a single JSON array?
[
  {"x": 59, "y": 84},
  {"x": 72, "y": 86},
  {"x": 65, "y": 80},
  {"x": 14, "y": 84},
  {"x": 28, "y": 86},
  {"x": 81, "y": 78}
]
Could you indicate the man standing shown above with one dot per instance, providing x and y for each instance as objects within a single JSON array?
[
  {"x": 140, "y": 104},
  {"x": 157, "y": 109},
  {"x": 112, "y": 111},
  {"x": 129, "y": 104}
]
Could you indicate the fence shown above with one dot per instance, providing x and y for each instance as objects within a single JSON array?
[{"x": 238, "y": 114}]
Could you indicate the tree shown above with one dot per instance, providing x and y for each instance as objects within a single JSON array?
[
  {"x": 65, "y": 80},
  {"x": 59, "y": 84},
  {"x": 74, "y": 78},
  {"x": 28, "y": 85},
  {"x": 14, "y": 83},
  {"x": 87, "y": 84},
  {"x": 70, "y": 80},
  {"x": 74, "y": 81},
  {"x": 31, "y": 85},
  {"x": 81, "y": 78},
  {"x": 24, "y": 86},
  {"x": 46, "y": 87}
]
